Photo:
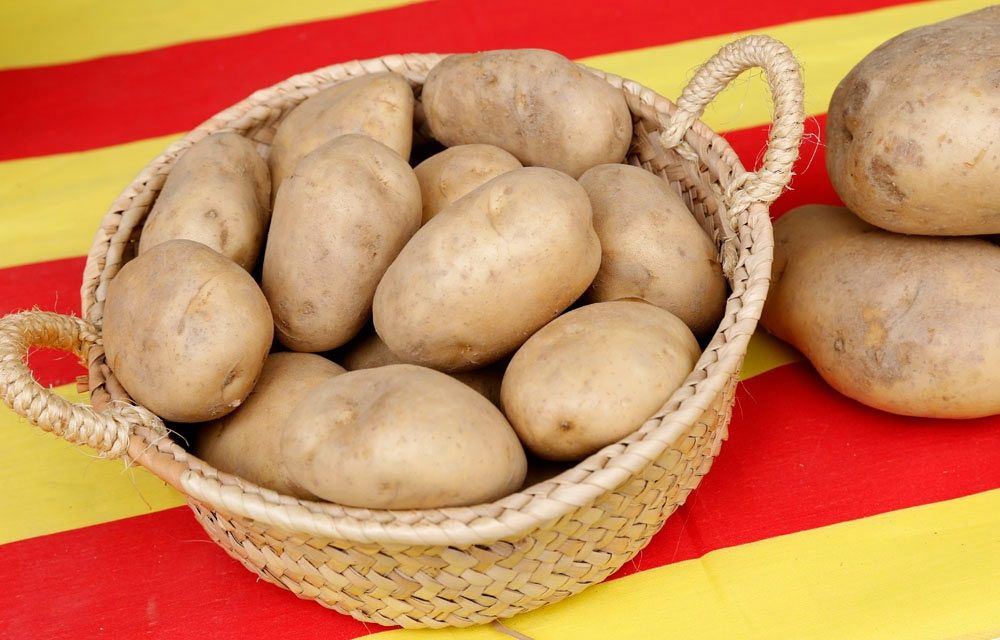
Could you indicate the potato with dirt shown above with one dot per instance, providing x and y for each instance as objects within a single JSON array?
[
  {"x": 913, "y": 131},
  {"x": 218, "y": 194},
  {"x": 906, "y": 324},
  {"x": 447, "y": 176},
  {"x": 186, "y": 331}
]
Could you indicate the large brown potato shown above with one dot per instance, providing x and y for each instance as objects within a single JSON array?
[
  {"x": 218, "y": 194},
  {"x": 594, "y": 375},
  {"x": 186, "y": 331},
  {"x": 246, "y": 443},
  {"x": 907, "y": 324},
  {"x": 652, "y": 248},
  {"x": 401, "y": 437},
  {"x": 913, "y": 132},
  {"x": 339, "y": 222},
  {"x": 536, "y": 104},
  {"x": 447, "y": 176},
  {"x": 488, "y": 271},
  {"x": 377, "y": 105}
]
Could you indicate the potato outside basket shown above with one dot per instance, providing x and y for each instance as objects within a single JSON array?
[{"x": 471, "y": 565}]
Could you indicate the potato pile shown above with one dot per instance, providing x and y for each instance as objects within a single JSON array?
[
  {"x": 905, "y": 323},
  {"x": 412, "y": 330}
]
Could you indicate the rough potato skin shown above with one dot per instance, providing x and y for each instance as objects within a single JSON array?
[
  {"x": 913, "y": 131},
  {"x": 186, "y": 331},
  {"x": 652, "y": 248},
  {"x": 339, "y": 221},
  {"x": 246, "y": 443},
  {"x": 906, "y": 324},
  {"x": 447, "y": 176},
  {"x": 377, "y": 105},
  {"x": 594, "y": 375},
  {"x": 488, "y": 271},
  {"x": 401, "y": 437},
  {"x": 536, "y": 104},
  {"x": 217, "y": 194}
]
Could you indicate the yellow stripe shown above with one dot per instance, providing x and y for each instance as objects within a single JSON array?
[
  {"x": 766, "y": 352},
  {"x": 54, "y": 32},
  {"x": 928, "y": 572},
  {"x": 51, "y": 485}
]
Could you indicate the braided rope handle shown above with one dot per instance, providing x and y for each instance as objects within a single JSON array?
[
  {"x": 785, "y": 81},
  {"x": 106, "y": 431}
]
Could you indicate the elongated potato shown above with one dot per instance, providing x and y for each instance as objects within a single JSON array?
[
  {"x": 338, "y": 223},
  {"x": 594, "y": 375},
  {"x": 652, "y": 248},
  {"x": 488, "y": 271},
  {"x": 216, "y": 194},
  {"x": 536, "y": 104},
  {"x": 377, "y": 105},
  {"x": 401, "y": 437},
  {"x": 913, "y": 134},
  {"x": 246, "y": 443},
  {"x": 907, "y": 324},
  {"x": 186, "y": 331},
  {"x": 447, "y": 176}
]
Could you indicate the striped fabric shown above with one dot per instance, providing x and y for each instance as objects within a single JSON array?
[{"x": 821, "y": 518}]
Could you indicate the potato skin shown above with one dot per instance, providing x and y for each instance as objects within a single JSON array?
[
  {"x": 218, "y": 194},
  {"x": 913, "y": 132},
  {"x": 338, "y": 223},
  {"x": 401, "y": 437},
  {"x": 652, "y": 248},
  {"x": 447, "y": 176},
  {"x": 594, "y": 375},
  {"x": 906, "y": 324},
  {"x": 488, "y": 271},
  {"x": 186, "y": 331},
  {"x": 517, "y": 100},
  {"x": 377, "y": 105},
  {"x": 246, "y": 443}
]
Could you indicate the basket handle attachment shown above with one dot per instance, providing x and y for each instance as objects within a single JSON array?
[
  {"x": 107, "y": 430},
  {"x": 785, "y": 82}
]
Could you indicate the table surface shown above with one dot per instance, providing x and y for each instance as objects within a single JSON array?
[{"x": 820, "y": 519}]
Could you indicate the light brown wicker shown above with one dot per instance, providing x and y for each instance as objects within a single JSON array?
[{"x": 456, "y": 566}]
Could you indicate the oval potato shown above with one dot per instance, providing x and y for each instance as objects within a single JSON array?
[
  {"x": 652, "y": 248},
  {"x": 536, "y": 104},
  {"x": 906, "y": 324},
  {"x": 338, "y": 223},
  {"x": 217, "y": 193},
  {"x": 246, "y": 443},
  {"x": 447, "y": 176},
  {"x": 488, "y": 271},
  {"x": 594, "y": 375},
  {"x": 401, "y": 437},
  {"x": 186, "y": 331}
]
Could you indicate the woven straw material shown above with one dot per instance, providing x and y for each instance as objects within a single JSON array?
[{"x": 471, "y": 565}]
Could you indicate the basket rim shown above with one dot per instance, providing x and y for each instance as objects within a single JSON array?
[{"x": 513, "y": 515}]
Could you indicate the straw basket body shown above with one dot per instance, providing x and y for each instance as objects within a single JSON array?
[{"x": 455, "y": 566}]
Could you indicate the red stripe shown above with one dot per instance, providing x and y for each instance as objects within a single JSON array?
[
  {"x": 799, "y": 456},
  {"x": 118, "y": 99}
]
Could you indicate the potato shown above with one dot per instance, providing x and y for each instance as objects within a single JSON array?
[
  {"x": 536, "y": 104},
  {"x": 652, "y": 248},
  {"x": 246, "y": 443},
  {"x": 339, "y": 221},
  {"x": 913, "y": 132},
  {"x": 488, "y": 271},
  {"x": 401, "y": 437},
  {"x": 594, "y": 375},
  {"x": 378, "y": 105},
  {"x": 186, "y": 331},
  {"x": 217, "y": 194},
  {"x": 907, "y": 324},
  {"x": 368, "y": 351},
  {"x": 447, "y": 176}
]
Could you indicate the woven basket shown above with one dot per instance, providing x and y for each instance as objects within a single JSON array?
[{"x": 470, "y": 565}]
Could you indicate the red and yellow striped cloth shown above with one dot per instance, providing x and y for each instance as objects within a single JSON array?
[{"x": 821, "y": 518}]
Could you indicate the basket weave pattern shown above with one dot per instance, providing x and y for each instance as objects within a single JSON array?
[{"x": 455, "y": 566}]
